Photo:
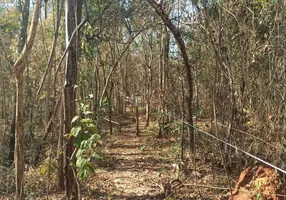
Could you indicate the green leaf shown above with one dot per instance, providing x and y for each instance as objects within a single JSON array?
[
  {"x": 83, "y": 107},
  {"x": 89, "y": 167},
  {"x": 85, "y": 144},
  {"x": 105, "y": 101},
  {"x": 85, "y": 136},
  {"x": 86, "y": 121},
  {"x": 75, "y": 130},
  {"x": 75, "y": 119},
  {"x": 88, "y": 113},
  {"x": 92, "y": 128},
  {"x": 79, "y": 153},
  {"x": 77, "y": 141},
  {"x": 142, "y": 148},
  {"x": 96, "y": 138},
  {"x": 44, "y": 169},
  {"x": 69, "y": 135},
  {"x": 97, "y": 156},
  {"x": 52, "y": 168},
  {"x": 81, "y": 162}
]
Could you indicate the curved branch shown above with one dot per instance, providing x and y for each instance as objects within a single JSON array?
[
  {"x": 115, "y": 65},
  {"x": 19, "y": 64},
  {"x": 52, "y": 55},
  {"x": 68, "y": 46},
  {"x": 181, "y": 44}
]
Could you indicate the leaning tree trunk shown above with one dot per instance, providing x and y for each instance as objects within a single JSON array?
[
  {"x": 181, "y": 44},
  {"x": 19, "y": 68}
]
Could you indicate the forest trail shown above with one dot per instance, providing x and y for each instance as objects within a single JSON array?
[{"x": 133, "y": 166}]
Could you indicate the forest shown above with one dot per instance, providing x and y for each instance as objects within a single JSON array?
[{"x": 143, "y": 99}]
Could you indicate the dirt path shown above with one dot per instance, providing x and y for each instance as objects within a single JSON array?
[{"x": 133, "y": 166}]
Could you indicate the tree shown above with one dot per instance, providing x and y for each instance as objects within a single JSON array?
[
  {"x": 71, "y": 10},
  {"x": 19, "y": 67},
  {"x": 181, "y": 44},
  {"x": 24, "y": 8}
]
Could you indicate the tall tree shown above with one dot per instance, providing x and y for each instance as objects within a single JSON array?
[
  {"x": 181, "y": 44},
  {"x": 23, "y": 7},
  {"x": 19, "y": 67},
  {"x": 73, "y": 15}
]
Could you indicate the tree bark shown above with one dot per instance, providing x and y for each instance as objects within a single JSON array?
[
  {"x": 149, "y": 77},
  {"x": 181, "y": 44},
  {"x": 60, "y": 157},
  {"x": 70, "y": 95},
  {"x": 24, "y": 9},
  {"x": 19, "y": 68},
  {"x": 24, "y": 23},
  {"x": 12, "y": 131}
]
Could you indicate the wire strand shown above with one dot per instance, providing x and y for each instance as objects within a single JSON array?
[
  {"x": 236, "y": 148},
  {"x": 253, "y": 136}
]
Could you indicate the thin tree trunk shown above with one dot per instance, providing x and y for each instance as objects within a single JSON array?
[
  {"x": 19, "y": 143},
  {"x": 109, "y": 97},
  {"x": 137, "y": 116},
  {"x": 149, "y": 94},
  {"x": 166, "y": 43},
  {"x": 96, "y": 89},
  {"x": 164, "y": 57},
  {"x": 183, "y": 119},
  {"x": 24, "y": 9},
  {"x": 181, "y": 44},
  {"x": 60, "y": 156},
  {"x": 115, "y": 64},
  {"x": 12, "y": 131},
  {"x": 149, "y": 78},
  {"x": 52, "y": 55},
  {"x": 222, "y": 60},
  {"x": 19, "y": 67}
]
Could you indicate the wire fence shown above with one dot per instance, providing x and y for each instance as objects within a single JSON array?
[
  {"x": 235, "y": 147},
  {"x": 248, "y": 134}
]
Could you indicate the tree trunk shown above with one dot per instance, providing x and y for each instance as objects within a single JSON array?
[
  {"x": 137, "y": 116},
  {"x": 181, "y": 44},
  {"x": 12, "y": 131},
  {"x": 70, "y": 96},
  {"x": 96, "y": 89},
  {"x": 183, "y": 119},
  {"x": 19, "y": 145},
  {"x": 149, "y": 94},
  {"x": 164, "y": 60},
  {"x": 60, "y": 157},
  {"x": 148, "y": 56},
  {"x": 19, "y": 67},
  {"x": 109, "y": 97},
  {"x": 24, "y": 9}
]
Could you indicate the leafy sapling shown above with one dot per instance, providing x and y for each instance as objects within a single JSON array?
[{"x": 86, "y": 138}]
